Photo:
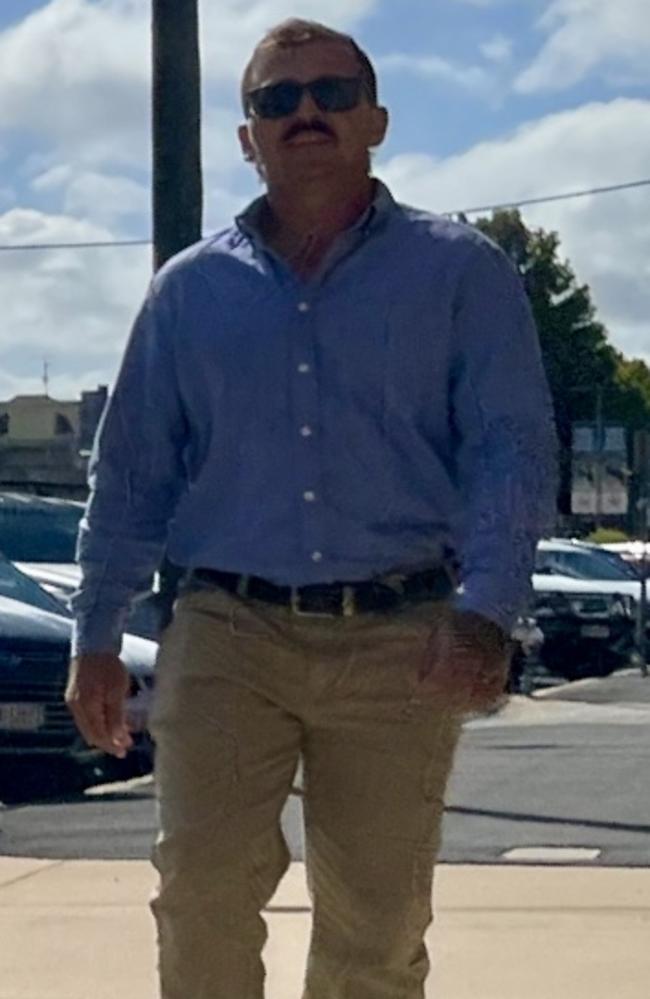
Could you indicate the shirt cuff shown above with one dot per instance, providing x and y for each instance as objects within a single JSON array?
[
  {"x": 503, "y": 613},
  {"x": 97, "y": 633}
]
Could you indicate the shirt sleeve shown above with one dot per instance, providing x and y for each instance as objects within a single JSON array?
[
  {"x": 506, "y": 444},
  {"x": 136, "y": 475}
]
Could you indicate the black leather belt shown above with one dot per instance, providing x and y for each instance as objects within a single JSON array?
[{"x": 384, "y": 593}]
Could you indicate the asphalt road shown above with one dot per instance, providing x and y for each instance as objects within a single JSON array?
[{"x": 548, "y": 774}]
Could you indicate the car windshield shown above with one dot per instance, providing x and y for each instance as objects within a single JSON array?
[
  {"x": 18, "y": 586},
  {"x": 584, "y": 564},
  {"x": 33, "y": 529}
]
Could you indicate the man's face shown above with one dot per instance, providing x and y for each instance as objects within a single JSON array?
[{"x": 310, "y": 143}]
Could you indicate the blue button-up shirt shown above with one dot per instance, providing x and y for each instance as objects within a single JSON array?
[{"x": 378, "y": 416}]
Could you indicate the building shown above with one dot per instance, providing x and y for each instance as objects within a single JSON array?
[{"x": 45, "y": 443}]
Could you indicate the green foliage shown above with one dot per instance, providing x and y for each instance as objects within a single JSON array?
[{"x": 577, "y": 355}]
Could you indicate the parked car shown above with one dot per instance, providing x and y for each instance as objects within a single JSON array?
[
  {"x": 35, "y": 724},
  {"x": 586, "y": 603},
  {"x": 635, "y": 553},
  {"x": 584, "y": 560}
]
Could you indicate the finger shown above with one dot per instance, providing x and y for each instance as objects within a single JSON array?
[
  {"x": 118, "y": 732},
  {"x": 89, "y": 717}
]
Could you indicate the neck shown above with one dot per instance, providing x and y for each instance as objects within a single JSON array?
[{"x": 319, "y": 211}]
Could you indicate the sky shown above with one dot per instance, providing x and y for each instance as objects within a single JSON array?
[{"x": 491, "y": 101}]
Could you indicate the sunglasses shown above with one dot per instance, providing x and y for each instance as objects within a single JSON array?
[{"x": 330, "y": 93}]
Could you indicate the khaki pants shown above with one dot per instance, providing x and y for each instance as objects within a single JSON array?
[{"x": 243, "y": 690}]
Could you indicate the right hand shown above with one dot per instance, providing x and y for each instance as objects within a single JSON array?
[
  {"x": 467, "y": 663},
  {"x": 98, "y": 683}
]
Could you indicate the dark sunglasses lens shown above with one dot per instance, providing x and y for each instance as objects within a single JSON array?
[
  {"x": 276, "y": 101},
  {"x": 336, "y": 93}
]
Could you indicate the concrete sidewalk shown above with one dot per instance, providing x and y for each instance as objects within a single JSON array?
[{"x": 81, "y": 929}]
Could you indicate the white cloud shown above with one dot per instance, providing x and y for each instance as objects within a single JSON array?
[
  {"x": 497, "y": 49},
  {"x": 610, "y": 36},
  {"x": 473, "y": 78},
  {"x": 607, "y": 237},
  {"x": 99, "y": 198},
  {"x": 482, "y": 3},
  {"x": 73, "y": 307}
]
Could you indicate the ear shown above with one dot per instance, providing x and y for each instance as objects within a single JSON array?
[
  {"x": 378, "y": 127},
  {"x": 246, "y": 144}
]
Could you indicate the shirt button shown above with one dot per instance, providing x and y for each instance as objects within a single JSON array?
[
  {"x": 304, "y": 307},
  {"x": 317, "y": 556},
  {"x": 309, "y": 496},
  {"x": 306, "y": 431},
  {"x": 304, "y": 369}
]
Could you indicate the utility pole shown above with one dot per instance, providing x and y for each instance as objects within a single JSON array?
[
  {"x": 642, "y": 469},
  {"x": 600, "y": 442},
  {"x": 176, "y": 126},
  {"x": 177, "y": 195}
]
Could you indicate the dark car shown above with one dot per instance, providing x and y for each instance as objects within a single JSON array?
[
  {"x": 584, "y": 635},
  {"x": 35, "y": 724}
]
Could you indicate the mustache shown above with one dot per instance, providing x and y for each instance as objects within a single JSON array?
[{"x": 315, "y": 125}]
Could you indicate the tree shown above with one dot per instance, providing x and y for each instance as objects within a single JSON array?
[{"x": 579, "y": 360}]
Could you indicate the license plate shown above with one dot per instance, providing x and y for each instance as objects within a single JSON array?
[
  {"x": 21, "y": 717},
  {"x": 594, "y": 631}
]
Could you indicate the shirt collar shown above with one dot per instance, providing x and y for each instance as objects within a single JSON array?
[{"x": 383, "y": 204}]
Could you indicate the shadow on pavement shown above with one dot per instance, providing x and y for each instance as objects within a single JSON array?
[{"x": 554, "y": 820}]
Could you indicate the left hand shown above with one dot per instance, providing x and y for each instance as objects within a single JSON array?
[{"x": 466, "y": 663}]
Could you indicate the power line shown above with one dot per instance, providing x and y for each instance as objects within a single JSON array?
[
  {"x": 92, "y": 245},
  {"x": 547, "y": 199},
  {"x": 553, "y": 197}
]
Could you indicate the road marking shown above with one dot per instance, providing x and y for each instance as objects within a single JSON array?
[
  {"x": 551, "y": 854},
  {"x": 119, "y": 787}
]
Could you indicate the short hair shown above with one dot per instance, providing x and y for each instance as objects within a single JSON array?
[{"x": 295, "y": 32}]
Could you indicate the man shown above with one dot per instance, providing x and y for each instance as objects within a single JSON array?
[{"x": 320, "y": 413}]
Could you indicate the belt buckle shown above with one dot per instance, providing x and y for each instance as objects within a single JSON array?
[{"x": 348, "y": 604}]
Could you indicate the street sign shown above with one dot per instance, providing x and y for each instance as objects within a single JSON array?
[{"x": 600, "y": 471}]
